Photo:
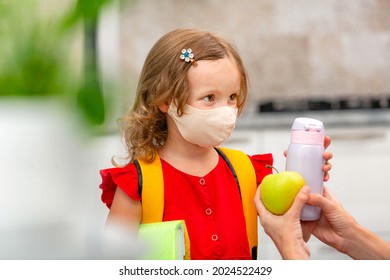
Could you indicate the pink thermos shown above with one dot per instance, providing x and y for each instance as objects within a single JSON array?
[{"x": 305, "y": 156}]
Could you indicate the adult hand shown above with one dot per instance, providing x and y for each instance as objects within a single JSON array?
[
  {"x": 285, "y": 230},
  {"x": 334, "y": 225}
]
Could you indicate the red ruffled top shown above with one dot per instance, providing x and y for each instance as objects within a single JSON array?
[{"x": 210, "y": 205}]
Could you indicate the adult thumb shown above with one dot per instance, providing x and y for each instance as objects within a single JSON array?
[{"x": 299, "y": 201}]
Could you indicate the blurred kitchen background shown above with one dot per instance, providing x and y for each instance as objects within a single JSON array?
[{"x": 69, "y": 69}]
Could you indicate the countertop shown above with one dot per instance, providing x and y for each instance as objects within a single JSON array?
[{"x": 330, "y": 118}]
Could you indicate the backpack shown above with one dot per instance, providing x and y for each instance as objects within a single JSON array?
[{"x": 151, "y": 189}]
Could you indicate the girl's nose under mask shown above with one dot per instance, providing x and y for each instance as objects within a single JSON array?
[{"x": 205, "y": 128}]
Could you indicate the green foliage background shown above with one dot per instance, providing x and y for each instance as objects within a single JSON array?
[{"x": 37, "y": 53}]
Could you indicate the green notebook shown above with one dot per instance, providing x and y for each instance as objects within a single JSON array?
[{"x": 164, "y": 240}]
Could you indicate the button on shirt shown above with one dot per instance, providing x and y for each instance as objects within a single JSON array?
[{"x": 211, "y": 206}]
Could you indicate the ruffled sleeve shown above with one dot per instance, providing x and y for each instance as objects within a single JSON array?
[
  {"x": 259, "y": 163},
  {"x": 125, "y": 178}
]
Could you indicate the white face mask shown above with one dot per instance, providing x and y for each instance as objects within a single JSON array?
[{"x": 205, "y": 128}]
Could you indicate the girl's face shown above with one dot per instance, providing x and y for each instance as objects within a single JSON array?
[{"x": 213, "y": 84}]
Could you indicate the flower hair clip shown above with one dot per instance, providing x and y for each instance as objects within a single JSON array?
[{"x": 188, "y": 56}]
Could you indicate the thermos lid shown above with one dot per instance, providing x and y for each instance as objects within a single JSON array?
[
  {"x": 306, "y": 124},
  {"x": 307, "y": 131}
]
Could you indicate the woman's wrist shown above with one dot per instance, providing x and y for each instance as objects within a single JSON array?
[
  {"x": 364, "y": 244},
  {"x": 293, "y": 249}
]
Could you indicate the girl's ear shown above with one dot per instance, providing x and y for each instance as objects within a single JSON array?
[{"x": 164, "y": 107}]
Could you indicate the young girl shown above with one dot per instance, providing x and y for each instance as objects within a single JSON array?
[{"x": 192, "y": 87}]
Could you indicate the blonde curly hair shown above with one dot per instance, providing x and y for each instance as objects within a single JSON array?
[{"x": 163, "y": 79}]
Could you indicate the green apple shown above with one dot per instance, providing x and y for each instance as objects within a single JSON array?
[{"x": 279, "y": 190}]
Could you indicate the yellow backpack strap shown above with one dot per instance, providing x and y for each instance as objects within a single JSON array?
[
  {"x": 245, "y": 175},
  {"x": 151, "y": 189}
]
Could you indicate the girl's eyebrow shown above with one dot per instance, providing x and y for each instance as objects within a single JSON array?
[
  {"x": 214, "y": 90},
  {"x": 209, "y": 92}
]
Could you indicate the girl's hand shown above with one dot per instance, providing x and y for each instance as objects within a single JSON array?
[{"x": 327, "y": 156}]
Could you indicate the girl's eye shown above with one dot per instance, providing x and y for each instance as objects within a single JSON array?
[
  {"x": 233, "y": 97},
  {"x": 209, "y": 98}
]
